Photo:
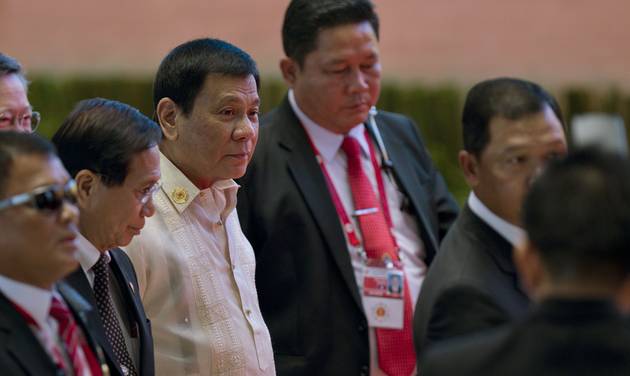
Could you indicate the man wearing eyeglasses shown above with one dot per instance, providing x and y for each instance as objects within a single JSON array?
[
  {"x": 111, "y": 150},
  {"x": 43, "y": 326},
  {"x": 16, "y": 112}
]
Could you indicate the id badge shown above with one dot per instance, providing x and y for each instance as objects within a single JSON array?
[{"x": 383, "y": 294}]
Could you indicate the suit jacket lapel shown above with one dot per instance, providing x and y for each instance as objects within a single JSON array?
[
  {"x": 125, "y": 275},
  {"x": 310, "y": 181},
  {"x": 410, "y": 183},
  {"x": 21, "y": 343},
  {"x": 128, "y": 291},
  {"x": 498, "y": 247}
]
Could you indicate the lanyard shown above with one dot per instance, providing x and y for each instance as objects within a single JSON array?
[{"x": 348, "y": 227}]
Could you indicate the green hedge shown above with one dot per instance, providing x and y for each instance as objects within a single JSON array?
[{"x": 436, "y": 109}]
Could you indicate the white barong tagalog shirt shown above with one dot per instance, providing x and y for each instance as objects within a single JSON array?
[{"x": 196, "y": 274}]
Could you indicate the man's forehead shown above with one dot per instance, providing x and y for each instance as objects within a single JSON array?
[
  {"x": 332, "y": 37},
  {"x": 541, "y": 123},
  {"x": 222, "y": 88},
  {"x": 29, "y": 171},
  {"x": 13, "y": 99}
]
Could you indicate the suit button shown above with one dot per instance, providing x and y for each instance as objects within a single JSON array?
[
  {"x": 365, "y": 371},
  {"x": 362, "y": 326}
]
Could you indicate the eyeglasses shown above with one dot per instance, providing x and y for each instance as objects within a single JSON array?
[
  {"x": 30, "y": 119},
  {"x": 49, "y": 198},
  {"x": 148, "y": 193}
]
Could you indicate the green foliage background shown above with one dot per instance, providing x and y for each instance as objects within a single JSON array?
[{"x": 436, "y": 109}]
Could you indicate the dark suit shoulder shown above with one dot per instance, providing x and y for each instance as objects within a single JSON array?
[
  {"x": 74, "y": 299},
  {"x": 474, "y": 252},
  {"x": 21, "y": 353},
  {"x": 465, "y": 355},
  {"x": 557, "y": 343},
  {"x": 471, "y": 284}
]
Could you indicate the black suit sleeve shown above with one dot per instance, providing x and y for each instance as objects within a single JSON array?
[{"x": 462, "y": 310}]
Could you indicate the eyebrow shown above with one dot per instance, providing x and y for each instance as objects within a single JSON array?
[
  {"x": 517, "y": 148},
  {"x": 6, "y": 109},
  {"x": 233, "y": 98}
]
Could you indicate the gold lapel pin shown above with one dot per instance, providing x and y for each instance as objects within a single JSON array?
[{"x": 179, "y": 195}]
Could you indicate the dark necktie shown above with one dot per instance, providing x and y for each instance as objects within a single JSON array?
[
  {"x": 396, "y": 356},
  {"x": 110, "y": 320}
]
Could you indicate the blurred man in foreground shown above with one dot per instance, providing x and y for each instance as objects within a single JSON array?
[
  {"x": 42, "y": 327},
  {"x": 574, "y": 264}
]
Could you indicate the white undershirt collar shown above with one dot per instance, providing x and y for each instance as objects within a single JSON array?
[
  {"x": 511, "y": 233},
  {"x": 326, "y": 141}
]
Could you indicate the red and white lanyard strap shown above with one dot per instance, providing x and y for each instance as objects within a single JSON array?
[{"x": 348, "y": 227}]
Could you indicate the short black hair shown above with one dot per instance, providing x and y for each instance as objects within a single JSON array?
[
  {"x": 9, "y": 65},
  {"x": 14, "y": 144},
  {"x": 183, "y": 71},
  {"x": 304, "y": 19},
  {"x": 102, "y": 136},
  {"x": 577, "y": 214},
  {"x": 506, "y": 97}
]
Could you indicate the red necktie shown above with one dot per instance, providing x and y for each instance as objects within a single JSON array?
[
  {"x": 83, "y": 362},
  {"x": 396, "y": 356}
]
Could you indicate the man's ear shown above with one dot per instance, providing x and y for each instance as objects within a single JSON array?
[
  {"x": 530, "y": 268},
  {"x": 289, "y": 69},
  {"x": 86, "y": 185},
  {"x": 167, "y": 112},
  {"x": 469, "y": 164}
]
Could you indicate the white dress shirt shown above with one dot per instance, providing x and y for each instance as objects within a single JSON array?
[
  {"x": 405, "y": 228},
  {"x": 196, "y": 274},
  {"x": 513, "y": 234}
]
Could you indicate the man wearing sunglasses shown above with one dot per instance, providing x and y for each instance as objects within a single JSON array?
[
  {"x": 16, "y": 112},
  {"x": 111, "y": 150},
  {"x": 42, "y": 321}
]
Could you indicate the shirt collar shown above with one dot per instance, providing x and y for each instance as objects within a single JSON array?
[
  {"x": 511, "y": 233},
  {"x": 327, "y": 142},
  {"x": 87, "y": 254},
  {"x": 34, "y": 300},
  {"x": 220, "y": 199},
  {"x": 174, "y": 181}
]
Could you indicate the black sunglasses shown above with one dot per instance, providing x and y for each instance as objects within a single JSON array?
[{"x": 48, "y": 198}]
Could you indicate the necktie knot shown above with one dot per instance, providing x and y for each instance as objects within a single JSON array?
[
  {"x": 59, "y": 311},
  {"x": 101, "y": 264},
  {"x": 351, "y": 147},
  {"x": 101, "y": 271}
]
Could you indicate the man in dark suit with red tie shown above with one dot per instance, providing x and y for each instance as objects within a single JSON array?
[
  {"x": 111, "y": 150},
  {"x": 335, "y": 201},
  {"x": 44, "y": 325}
]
